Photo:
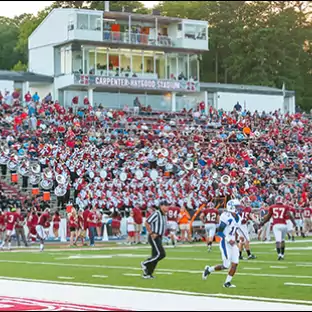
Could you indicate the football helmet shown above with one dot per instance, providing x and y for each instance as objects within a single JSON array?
[
  {"x": 279, "y": 200},
  {"x": 233, "y": 205}
]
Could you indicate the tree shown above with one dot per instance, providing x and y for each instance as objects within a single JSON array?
[
  {"x": 260, "y": 42},
  {"x": 8, "y": 39},
  {"x": 135, "y": 6},
  {"x": 20, "y": 67},
  {"x": 27, "y": 24}
]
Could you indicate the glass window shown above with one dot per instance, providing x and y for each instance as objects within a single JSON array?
[
  {"x": 196, "y": 32},
  {"x": 137, "y": 65},
  {"x": 95, "y": 22},
  {"x": 63, "y": 60},
  {"x": 101, "y": 66},
  {"x": 71, "y": 22},
  {"x": 82, "y": 21}
]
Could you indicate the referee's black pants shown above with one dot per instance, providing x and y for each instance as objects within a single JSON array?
[{"x": 158, "y": 253}]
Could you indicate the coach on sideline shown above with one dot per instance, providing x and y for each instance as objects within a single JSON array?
[{"x": 155, "y": 226}]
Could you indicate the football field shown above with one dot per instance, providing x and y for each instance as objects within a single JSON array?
[{"x": 110, "y": 276}]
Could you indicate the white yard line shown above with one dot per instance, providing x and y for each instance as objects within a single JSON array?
[
  {"x": 251, "y": 268},
  {"x": 139, "y": 269},
  {"x": 164, "y": 273},
  {"x": 131, "y": 274},
  {"x": 298, "y": 284},
  {"x": 99, "y": 276},
  {"x": 56, "y": 289},
  {"x": 66, "y": 277},
  {"x": 278, "y": 267}
]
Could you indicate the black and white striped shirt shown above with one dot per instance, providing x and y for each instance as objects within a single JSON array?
[{"x": 157, "y": 221}]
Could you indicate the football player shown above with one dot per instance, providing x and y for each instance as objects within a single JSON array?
[
  {"x": 41, "y": 226},
  {"x": 230, "y": 221},
  {"x": 210, "y": 217},
  {"x": 246, "y": 215},
  {"x": 172, "y": 223},
  {"x": 279, "y": 212},
  {"x": 10, "y": 218}
]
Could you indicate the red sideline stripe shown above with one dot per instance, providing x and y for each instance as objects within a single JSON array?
[{"x": 24, "y": 304}]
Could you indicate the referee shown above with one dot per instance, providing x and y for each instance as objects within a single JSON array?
[{"x": 155, "y": 225}]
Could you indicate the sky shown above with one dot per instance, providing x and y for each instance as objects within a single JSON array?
[{"x": 13, "y": 8}]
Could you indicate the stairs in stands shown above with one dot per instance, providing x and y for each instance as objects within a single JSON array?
[{"x": 11, "y": 190}]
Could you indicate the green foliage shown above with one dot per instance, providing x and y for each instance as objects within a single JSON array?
[
  {"x": 259, "y": 42},
  {"x": 8, "y": 39},
  {"x": 250, "y": 42},
  {"x": 20, "y": 67}
]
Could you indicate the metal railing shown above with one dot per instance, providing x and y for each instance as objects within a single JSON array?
[{"x": 136, "y": 38}]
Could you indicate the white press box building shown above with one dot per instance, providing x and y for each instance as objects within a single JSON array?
[{"x": 114, "y": 57}]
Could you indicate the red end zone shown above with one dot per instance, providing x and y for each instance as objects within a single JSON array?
[{"x": 22, "y": 304}]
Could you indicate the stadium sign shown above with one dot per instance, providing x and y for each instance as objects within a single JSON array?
[{"x": 137, "y": 83}]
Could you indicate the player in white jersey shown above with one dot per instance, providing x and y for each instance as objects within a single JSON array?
[{"x": 230, "y": 221}]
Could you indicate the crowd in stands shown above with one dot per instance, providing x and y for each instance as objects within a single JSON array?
[{"x": 116, "y": 160}]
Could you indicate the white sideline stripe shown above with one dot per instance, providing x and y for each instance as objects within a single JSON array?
[
  {"x": 298, "y": 284},
  {"x": 100, "y": 276},
  {"x": 304, "y": 265},
  {"x": 30, "y": 250},
  {"x": 131, "y": 274},
  {"x": 278, "y": 267},
  {"x": 66, "y": 277},
  {"x": 91, "y": 257},
  {"x": 139, "y": 269},
  {"x": 251, "y": 268},
  {"x": 157, "y": 290}
]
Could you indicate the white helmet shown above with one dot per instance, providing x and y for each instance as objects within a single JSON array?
[
  {"x": 232, "y": 205},
  {"x": 279, "y": 200}
]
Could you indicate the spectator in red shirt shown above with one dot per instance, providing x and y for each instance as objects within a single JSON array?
[
  {"x": 138, "y": 220},
  {"x": 56, "y": 224},
  {"x": 86, "y": 101},
  {"x": 92, "y": 223},
  {"x": 27, "y": 97}
]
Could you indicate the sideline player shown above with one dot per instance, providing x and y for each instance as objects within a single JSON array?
[
  {"x": 10, "y": 218},
  {"x": 290, "y": 227},
  {"x": 230, "y": 221},
  {"x": 210, "y": 217},
  {"x": 299, "y": 221},
  {"x": 2, "y": 226},
  {"x": 246, "y": 215},
  {"x": 40, "y": 227},
  {"x": 279, "y": 213},
  {"x": 307, "y": 221},
  {"x": 264, "y": 232},
  {"x": 172, "y": 222}
]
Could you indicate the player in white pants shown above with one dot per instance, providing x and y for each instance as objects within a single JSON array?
[
  {"x": 172, "y": 227},
  {"x": 280, "y": 213},
  {"x": 230, "y": 221}
]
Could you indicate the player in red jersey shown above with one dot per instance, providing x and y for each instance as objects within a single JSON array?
[
  {"x": 172, "y": 222},
  {"x": 2, "y": 226},
  {"x": 10, "y": 219},
  {"x": 290, "y": 226},
  {"x": 278, "y": 213},
  {"x": 210, "y": 217},
  {"x": 80, "y": 228},
  {"x": 307, "y": 221},
  {"x": 43, "y": 223},
  {"x": 299, "y": 221},
  {"x": 246, "y": 215}
]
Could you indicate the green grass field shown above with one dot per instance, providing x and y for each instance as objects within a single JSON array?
[{"x": 180, "y": 270}]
